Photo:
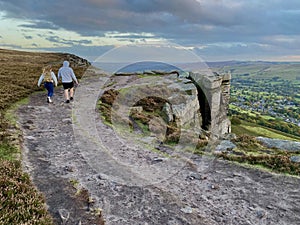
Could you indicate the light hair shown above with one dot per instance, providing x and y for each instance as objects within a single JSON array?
[
  {"x": 47, "y": 68},
  {"x": 47, "y": 73}
]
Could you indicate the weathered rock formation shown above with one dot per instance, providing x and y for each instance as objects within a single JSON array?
[
  {"x": 213, "y": 95},
  {"x": 196, "y": 102}
]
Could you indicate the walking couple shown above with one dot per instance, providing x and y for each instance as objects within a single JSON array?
[{"x": 67, "y": 76}]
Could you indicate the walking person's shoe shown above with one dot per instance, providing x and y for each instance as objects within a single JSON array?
[
  {"x": 68, "y": 101},
  {"x": 49, "y": 100},
  {"x": 71, "y": 99}
]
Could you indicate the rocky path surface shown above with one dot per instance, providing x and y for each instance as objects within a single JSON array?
[{"x": 135, "y": 182}]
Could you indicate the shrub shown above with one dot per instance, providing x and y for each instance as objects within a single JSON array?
[{"x": 20, "y": 203}]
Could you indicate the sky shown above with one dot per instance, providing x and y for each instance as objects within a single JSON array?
[{"x": 215, "y": 30}]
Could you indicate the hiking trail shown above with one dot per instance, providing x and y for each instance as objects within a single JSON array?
[{"x": 67, "y": 144}]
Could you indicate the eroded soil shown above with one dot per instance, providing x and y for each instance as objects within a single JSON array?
[{"x": 67, "y": 148}]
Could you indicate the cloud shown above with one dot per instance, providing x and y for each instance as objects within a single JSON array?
[
  {"x": 69, "y": 42},
  {"x": 242, "y": 51},
  {"x": 253, "y": 24},
  {"x": 28, "y": 37},
  {"x": 40, "y": 25},
  {"x": 188, "y": 20}
]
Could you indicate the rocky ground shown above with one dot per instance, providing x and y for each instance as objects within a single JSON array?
[{"x": 84, "y": 166}]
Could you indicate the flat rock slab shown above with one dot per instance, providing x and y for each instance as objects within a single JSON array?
[
  {"x": 66, "y": 144},
  {"x": 287, "y": 145}
]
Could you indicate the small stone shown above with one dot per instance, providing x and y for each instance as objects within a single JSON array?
[
  {"x": 187, "y": 210},
  {"x": 218, "y": 219},
  {"x": 195, "y": 176},
  {"x": 29, "y": 121},
  {"x": 214, "y": 187},
  {"x": 69, "y": 168},
  {"x": 157, "y": 160},
  {"x": 237, "y": 175},
  {"x": 64, "y": 215},
  {"x": 102, "y": 176},
  {"x": 30, "y": 138},
  {"x": 203, "y": 177},
  {"x": 67, "y": 120},
  {"x": 251, "y": 208},
  {"x": 260, "y": 214}
]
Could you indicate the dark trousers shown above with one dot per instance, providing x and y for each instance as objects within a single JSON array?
[{"x": 50, "y": 88}]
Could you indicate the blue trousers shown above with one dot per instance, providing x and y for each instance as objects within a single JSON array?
[{"x": 50, "y": 88}]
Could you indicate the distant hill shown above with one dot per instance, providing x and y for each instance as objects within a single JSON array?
[
  {"x": 247, "y": 63},
  {"x": 258, "y": 69}
]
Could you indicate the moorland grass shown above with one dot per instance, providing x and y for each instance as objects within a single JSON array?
[{"x": 20, "y": 201}]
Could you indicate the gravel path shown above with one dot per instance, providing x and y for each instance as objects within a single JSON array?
[{"x": 134, "y": 182}]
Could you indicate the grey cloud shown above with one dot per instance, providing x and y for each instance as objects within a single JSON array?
[
  {"x": 57, "y": 39},
  {"x": 28, "y": 37},
  {"x": 288, "y": 42},
  {"x": 155, "y": 16},
  {"x": 130, "y": 36},
  {"x": 60, "y": 40},
  {"x": 45, "y": 35},
  {"x": 131, "y": 16},
  {"x": 188, "y": 22},
  {"x": 168, "y": 19},
  {"x": 40, "y": 25}
]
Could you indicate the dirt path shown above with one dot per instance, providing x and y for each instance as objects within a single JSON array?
[{"x": 133, "y": 184}]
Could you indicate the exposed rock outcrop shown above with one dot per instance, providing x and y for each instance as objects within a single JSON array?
[
  {"x": 213, "y": 95},
  {"x": 287, "y": 145},
  {"x": 78, "y": 61},
  {"x": 193, "y": 100}
]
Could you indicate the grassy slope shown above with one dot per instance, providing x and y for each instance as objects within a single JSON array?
[
  {"x": 20, "y": 202},
  {"x": 255, "y": 130},
  {"x": 250, "y": 151},
  {"x": 262, "y": 70}
]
